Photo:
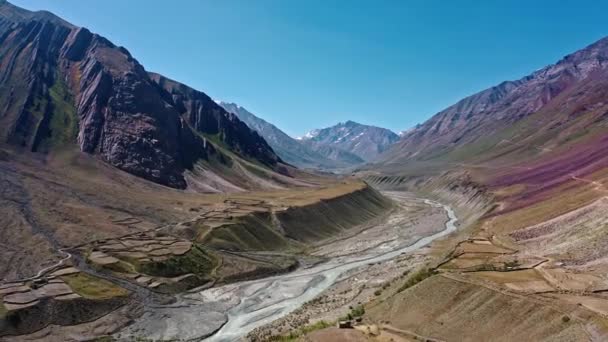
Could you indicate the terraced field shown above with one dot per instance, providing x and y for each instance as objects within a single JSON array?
[{"x": 29, "y": 306}]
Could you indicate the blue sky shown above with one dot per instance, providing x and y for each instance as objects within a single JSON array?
[{"x": 310, "y": 64}]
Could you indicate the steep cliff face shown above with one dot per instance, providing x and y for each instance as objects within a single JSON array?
[
  {"x": 62, "y": 85},
  {"x": 206, "y": 116}
]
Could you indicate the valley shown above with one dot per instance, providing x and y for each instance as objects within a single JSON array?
[
  {"x": 134, "y": 207},
  {"x": 244, "y": 306},
  {"x": 97, "y": 276}
]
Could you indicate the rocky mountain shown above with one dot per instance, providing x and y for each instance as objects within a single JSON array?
[
  {"x": 289, "y": 149},
  {"x": 363, "y": 141},
  {"x": 557, "y": 105},
  {"x": 305, "y": 153},
  {"x": 334, "y": 153},
  {"x": 62, "y": 86}
]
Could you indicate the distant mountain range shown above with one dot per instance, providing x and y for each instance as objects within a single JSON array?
[
  {"x": 291, "y": 150},
  {"x": 364, "y": 141},
  {"x": 341, "y": 146}
]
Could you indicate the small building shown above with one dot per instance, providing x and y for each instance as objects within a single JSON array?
[{"x": 345, "y": 324}]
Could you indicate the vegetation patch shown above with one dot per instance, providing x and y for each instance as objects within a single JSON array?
[
  {"x": 226, "y": 147},
  {"x": 38, "y": 107},
  {"x": 92, "y": 287},
  {"x": 123, "y": 266},
  {"x": 3, "y": 311},
  {"x": 355, "y": 312},
  {"x": 511, "y": 265},
  {"x": 250, "y": 232},
  {"x": 196, "y": 261},
  {"x": 294, "y": 335},
  {"x": 329, "y": 217},
  {"x": 416, "y": 278},
  {"x": 64, "y": 123},
  {"x": 59, "y": 125}
]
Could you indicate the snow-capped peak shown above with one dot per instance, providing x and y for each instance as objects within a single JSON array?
[
  {"x": 408, "y": 131},
  {"x": 309, "y": 135}
]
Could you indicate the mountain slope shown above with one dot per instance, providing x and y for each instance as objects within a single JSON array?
[
  {"x": 534, "y": 153},
  {"x": 541, "y": 112},
  {"x": 289, "y": 149},
  {"x": 365, "y": 142},
  {"x": 61, "y": 85}
]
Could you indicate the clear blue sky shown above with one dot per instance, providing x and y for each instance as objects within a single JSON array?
[{"x": 309, "y": 64}]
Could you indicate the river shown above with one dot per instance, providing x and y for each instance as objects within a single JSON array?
[
  {"x": 265, "y": 300},
  {"x": 230, "y": 312}
]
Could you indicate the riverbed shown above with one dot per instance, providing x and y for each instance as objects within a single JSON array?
[{"x": 229, "y": 312}]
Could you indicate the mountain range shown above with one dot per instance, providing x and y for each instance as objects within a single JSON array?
[
  {"x": 289, "y": 149},
  {"x": 337, "y": 147},
  {"x": 65, "y": 86}
]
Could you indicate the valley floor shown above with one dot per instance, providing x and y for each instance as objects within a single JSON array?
[
  {"x": 354, "y": 267},
  {"x": 414, "y": 223},
  {"x": 532, "y": 272}
]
